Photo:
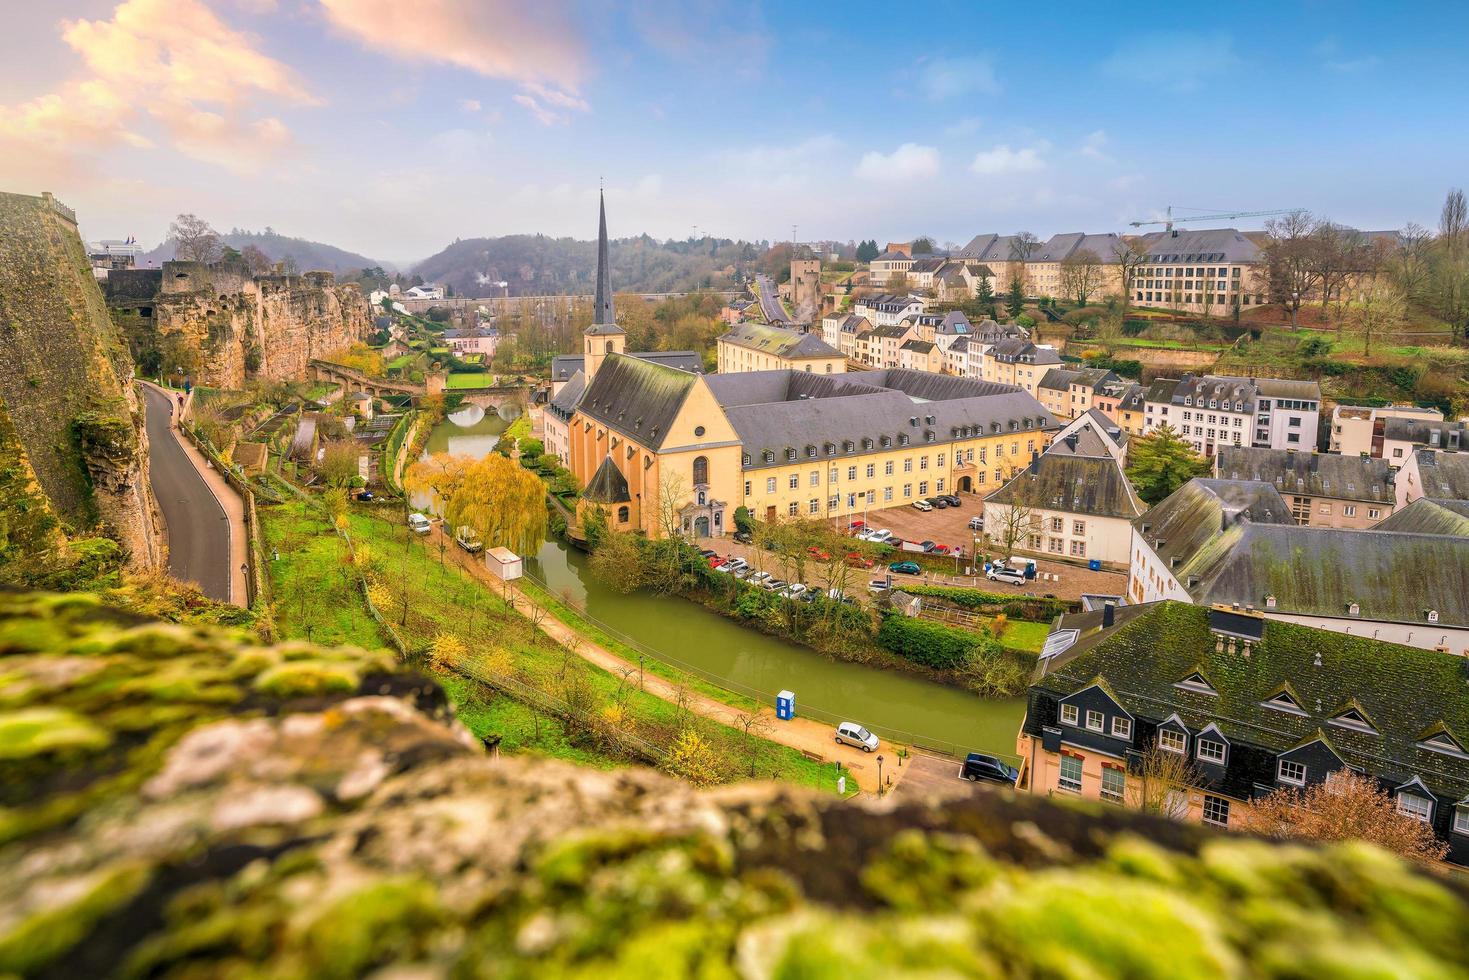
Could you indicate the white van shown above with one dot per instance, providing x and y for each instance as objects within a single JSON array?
[
  {"x": 465, "y": 537},
  {"x": 418, "y": 523}
]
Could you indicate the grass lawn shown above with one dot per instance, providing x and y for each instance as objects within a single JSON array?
[
  {"x": 470, "y": 379},
  {"x": 401, "y": 361},
  {"x": 1021, "y": 634},
  {"x": 430, "y": 596},
  {"x": 518, "y": 429}
]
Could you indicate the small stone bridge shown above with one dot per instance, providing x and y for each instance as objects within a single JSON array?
[{"x": 353, "y": 380}]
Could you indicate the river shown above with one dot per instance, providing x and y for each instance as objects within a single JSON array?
[{"x": 891, "y": 703}]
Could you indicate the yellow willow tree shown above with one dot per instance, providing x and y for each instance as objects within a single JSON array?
[{"x": 502, "y": 500}]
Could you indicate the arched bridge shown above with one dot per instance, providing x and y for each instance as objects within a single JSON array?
[{"x": 353, "y": 380}]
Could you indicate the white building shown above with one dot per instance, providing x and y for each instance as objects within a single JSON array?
[
  {"x": 886, "y": 310},
  {"x": 427, "y": 291},
  {"x": 1359, "y": 430},
  {"x": 1210, "y": 411}
]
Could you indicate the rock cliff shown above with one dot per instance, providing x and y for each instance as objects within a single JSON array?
[
  {"x": 221, "y": 325},
  {"x": 65, "y": 379},
  {"x": 182, "y": 802}
]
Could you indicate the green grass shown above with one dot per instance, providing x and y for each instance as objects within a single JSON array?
[
  {"x": 1024, "y": 635},
  {"x": 470, "y": 379},
  {"x": 314, "y": 600},
  {"x": 518, "y": 429},
  {"x": 401, "y": 361}
]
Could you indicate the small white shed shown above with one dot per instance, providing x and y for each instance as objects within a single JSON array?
[{"x": 504, "y": 563}]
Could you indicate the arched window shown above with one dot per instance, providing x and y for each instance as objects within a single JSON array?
[
  {"x": 701, "y": 470},
  {"x": 609, "y": 346},
  {"x": 622, "y": 514}
]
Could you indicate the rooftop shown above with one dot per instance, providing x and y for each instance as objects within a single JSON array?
[
  {"x": 779, "y": 341},
  {"x": 1077, "y": 484},
  {"x": 1428, "y": 515},
  {"x": 1443, "y": 475},
  {"x": 1310, "y": 474}
]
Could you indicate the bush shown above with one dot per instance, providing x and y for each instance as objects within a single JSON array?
[
  {"x": 1015, "y": 607},
  {"x": 930, "y": 644},
  {"x": 743, "y": 521},
  {"x": 532, "y": 447},
  {"x": 1025, "y": 320}
]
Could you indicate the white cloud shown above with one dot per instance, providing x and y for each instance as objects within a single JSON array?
[
  {"x": 946, "y": 78},
  {"x": 470, "y": 105},
  {"x": 774, "y": 159},
  {"x": 1093, "y": 144},
  {"x": 967, "y": 126},
  {"x": 1179, "y": 61},
  {"x": 1004, "y": 160},
  {"x": 908, "y": 162}
]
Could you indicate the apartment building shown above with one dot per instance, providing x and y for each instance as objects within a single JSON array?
[
  {"x": 1124, "y": 402},
  {"x": 956, "y": 357},
  {"x": 1018, "y": 362},
  {"x": 895, "y": 260},
  {"x": 1210, "y": 271},
  {"x": 920, "y": 355},
  {"x": 1436, "y": 475},
  {"x": 1403, "y": 437},
  {"x": 921, "y": 273},
  {"x": 1322, "y": 489},
  {"x": 886, "y": 309},
  {"x": 1046, "y": 270},
  {"x": 880, "y": 346},
  {"x": 763, "y": 347},
  {"x": 1360, "y": 430},
  {"x": 840, "y": 330},
  {"x": 1210, "y": 411},
  {"x": 1070, "y": 392}
]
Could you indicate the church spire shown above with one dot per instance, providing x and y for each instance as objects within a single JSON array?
[{"x": 602, "y": 313}]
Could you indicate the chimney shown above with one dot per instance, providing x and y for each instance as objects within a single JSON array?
[
  {"x": 1109, "y": 614},
  {"x": 1071, "y": 441}
]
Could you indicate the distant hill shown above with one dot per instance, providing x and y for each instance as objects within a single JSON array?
[
  {"x": 535, "y": 264},
  {"x": 308, "y": 254}
]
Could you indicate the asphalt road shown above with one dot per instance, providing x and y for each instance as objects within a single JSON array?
[
  {"x": 198, "y": 530},
  {"x": 770, "y": 301}
]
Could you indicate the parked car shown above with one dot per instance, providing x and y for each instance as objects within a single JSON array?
[
  {"x": 943, "y": 549},
  {"x": 774, "y": 584},
  {"x": 819, "y": 554},
  {"x": 465, "y": 537},
  {"x": 760, "y": 578},
  {"x": 922, "y": 505},
  {"x": 853, "y": 734},
  {"x": 999, "y": 573},
  {"x": 981, "y": 768},
  {"x": 419, "y": 523},
  {"x": 858, "y": 560},
  {"x": 744, "y": 537},
  {"x": 736, "y": 563},
  {"x": 857, "y": 526},
  {"x": 793, "y": 590},
  {"x": 836, "y": 594},
  {"x": 937, "y": 503},
  {"x": 953, "y": 499},
  {"x": 723, "y": 568},
  {"x": 810, "y": 595},
  {"x": 905, "y": 567},
  {"x": 881, "y": 536},
  {"x": 976, "y": 523},
  {"x": 743, "y": 572},
  {"x": 708, "y": 552},
  {"x": 928, "y": 547},
  {"x": 716, "y": 561},
  {"x": 365, "y": 495}
]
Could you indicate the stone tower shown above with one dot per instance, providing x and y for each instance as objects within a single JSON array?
[
  {"x": 806, "y": 284},
  {"x": 604, "y": 336}
]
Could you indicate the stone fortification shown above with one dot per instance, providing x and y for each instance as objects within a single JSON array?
[
  {"x": 224, "y": 326},
  {"x": 65, "y": 380}
]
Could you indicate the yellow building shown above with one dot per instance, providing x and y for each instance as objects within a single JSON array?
[
  {"x": 761, "y": 347},
  {"x": 1019, "y": 363}
]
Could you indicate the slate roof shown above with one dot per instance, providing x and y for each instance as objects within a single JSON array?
[
  {"x": 1319, "y": 571},
  {"x": 779, "y": 341},
  {"x": 1085, "y": 436},
  {"x": 1406, "y": 692},
  {"x": 1161, "y": 390},
  {"x": 563, "y": 366},
  {"x": 917, "y": 346},
  {"x": 988, "y": 248},
  {"x": 1421, "y": 431},
  {"x": 1443, "y": 474},
  {"x": 563, "y": 406},
  {"x": 607, "y": 485},
  {"x": 638, "y": 398},
  {"x": 1087, "y": 485},
  {"x": 1012, "y": 350},
  {"x": 1288, "y": 388},
  {"x": 1428, "y": 515},
  {"x": 1058, "y": 379},
  {"x": 929, "y": 263},
  {"x": 1058, "y": 248},
  {"x": 1202, "y": 509},
  {"x": 1200, "y": 245},
  {"x": 604, "y": 317},
  {"x": 1310, "y": 474}
]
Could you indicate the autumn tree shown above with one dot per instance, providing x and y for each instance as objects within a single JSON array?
[
  {"x": 446, "y": 652},
  {"x": 501, "y": 500},
  {"x": 1161, "y": 462},
  {"x": 1347, "y": 806},
  {"x": 194, "y": 239},
  {"x": 338, "y": 463},
  {"x": 691, "y": 757}
]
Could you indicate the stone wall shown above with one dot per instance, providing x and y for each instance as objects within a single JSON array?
[
  {"x": 228, "y": 326},
  {"x": 65, "y": 378}
]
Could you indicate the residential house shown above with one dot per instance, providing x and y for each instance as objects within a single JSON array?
[
  {"x": 734, "y": 311},
  {"x": 1359, "y": 431},
  {"x": 956, "y": 356},
  {"x": 920, "y": 355},
  {"x": 894, "y": 262},
  {"x": 763, "y": 347},
  {"x": 1430, "y": 473},
  {"x": 473, "y": 340},
  {"x": 923, "y": 269},
  {"x": 1323, "y": 490},
  {"x": 428, "y": 290},
  {"x": 880, "y": 346},
  {"x": 1017, "y": 362},
  {"x": 1256, "y": 705},
  {"x": 1072, "y": 501},
  {"x": 1069, "y": 392},
  {"x": 1246, "y": 548},
  {"x": 840, "y": 331},
  {"x": 888, "y": 310},
  {"x": 1403, "y": 437},
  {"x": 1124, "y": 402}
]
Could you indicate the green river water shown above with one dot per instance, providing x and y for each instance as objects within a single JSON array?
[{"x": 680, "y": 632}]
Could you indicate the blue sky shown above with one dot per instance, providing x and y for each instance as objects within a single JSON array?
[{"x": 392, "y": 127}]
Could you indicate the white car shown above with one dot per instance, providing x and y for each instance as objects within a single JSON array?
[
  {"x": 760, "y": 578},
  {"x": 418, "y": 523},
  {"x": 976, "y": 523},
  {"x": 1002, "y": 574},
  {"x": 853, "y": 734},
  {"x": 922, "y": 505},
  {"x": 878, "y": 537},
  {"x": 794, "y": 589},
  {"x": 743, "y": 573},
  {"x": 774, "y": 584}
]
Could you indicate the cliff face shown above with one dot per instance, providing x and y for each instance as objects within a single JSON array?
[
  {"x": 65, "y": 379},
  {"x": 222, "y": 325},
  {"x": 184, "y": 803}
]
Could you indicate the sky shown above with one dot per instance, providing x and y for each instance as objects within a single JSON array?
[{"x": 393, "y": 127}]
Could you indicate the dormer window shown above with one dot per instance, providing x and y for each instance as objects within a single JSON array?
[
  {"x": 745, "y": 460},
  {"x": 1354, "y": 609},
  {"x": 1355, "y": 719},
  {"x": 1196, "y": 682},
  {"x": 1290, "y": 773},
  {"x": 768, "y": 456},
  {"x": 1431, "y": 615},
  {"x": 790, "y": 453},
  {"x": 1444, "y": 744},
  {"x": 1284, "y": 702},
  {"x": 1270, "y": 602},
  {"x": 1209, "y": 750},
  {"x": 810, "y": 452}
]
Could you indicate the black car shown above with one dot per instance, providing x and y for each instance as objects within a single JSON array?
[
  {"x": 708, "y": 552},
  {"x": 928, "y": 546},
  {"x": 938, "y": 503},
  {"x": 979, "y": 768},
  {"x": 953, "y": 499},
  {"x": 743, "y": 537}
]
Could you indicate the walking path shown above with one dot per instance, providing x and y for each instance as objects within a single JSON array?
[
  {"x": 203, "y": 516},
  {"x": 813, "y": 738}
]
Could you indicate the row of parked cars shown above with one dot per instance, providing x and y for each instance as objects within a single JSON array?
[
  {"x": 937, "y": 503},
  {"x": 747, "y": 573}
]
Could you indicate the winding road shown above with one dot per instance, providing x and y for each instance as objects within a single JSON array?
[
  {"x": 198, "y": 527},
  {"x": 770, "y": 304}
]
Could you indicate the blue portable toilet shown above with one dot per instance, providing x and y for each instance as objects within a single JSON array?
[
  {"x": 1095, "y": 564},
  {"x": 785, "y": 705}
]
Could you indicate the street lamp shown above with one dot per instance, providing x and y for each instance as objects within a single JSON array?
[{"x": 879, "y": 775}]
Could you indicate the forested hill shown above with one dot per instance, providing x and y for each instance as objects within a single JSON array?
[
  {"x": 536, "y": 264},
  {"x": 278, "y": 247}
]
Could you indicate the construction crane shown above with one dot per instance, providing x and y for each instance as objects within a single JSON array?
[{"x": 1222, "y": 216}]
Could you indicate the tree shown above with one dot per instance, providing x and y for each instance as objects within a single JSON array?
[
  {"x": 338, "y": 464},
  {"x": 1409, "y": 263},
  {"x": 1163, "y": 783},
  {"x": 1380, "y": 309},
  {"x": 692, "y": 758},
  {"x": 867, "y": 251},
  {"x": 1015, "y": 301},
  {"x": 984, "y": 295},
  {"x": 1014, "y": 520},
  {"x": 1347, "y": 806},
  {"x": 1130, "y": 257},
  {"x": 1333, "y": 254},
  {"x": 446, "y": 652},
  {"x": 618, "y": 563},
  {"x": 1287, "y": 249},
  {"x": 1081, "y": 274},
  {"x": 923, "y": 246},
  {"x": 501, "y": 500},
  {"x": 1022, "y": 246},
  {"x": 1160, "y": 462},
  {"x": 194, "y": 240}
]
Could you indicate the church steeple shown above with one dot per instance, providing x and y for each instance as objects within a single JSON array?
[{"x": 602, "y": 312}]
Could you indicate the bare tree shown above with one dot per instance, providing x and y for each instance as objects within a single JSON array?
[
  {"x": 194, "y": 239},
  {"x": 255, "y": 260},
  {"x": 1014, "y": 523},
  {"x": 756, "y": 728},
  {"x": 1409, "y": 262},
  {"x": 1164, "y": 782},
  {"x": 1130, "y": 257},
  {"x": 1023, "y": 245},
  {"x": 1081, "y": 274},
  {"x": 1333, "y": 256},
  {"x": 1453, "y": 221},
  {"x": 1380, "y": 309},
  {"x": 1287, "y": 249},
  {"x": 1347, "y": 806}
]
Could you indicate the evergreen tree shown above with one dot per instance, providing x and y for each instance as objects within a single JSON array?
[
  {"x": 867, "y": 251},
  {"x": 1160, "y": 462},
  {"x": 1016, "y": 300},
  {"x": 984, "y": 294}
]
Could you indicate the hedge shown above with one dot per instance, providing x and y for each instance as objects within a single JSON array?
[
  {"x": 928, "y": 643},
  {"x": 1016, "y": 607}
]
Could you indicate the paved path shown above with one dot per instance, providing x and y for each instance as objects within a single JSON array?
[
  {"x": 803, "y": 734},
  {"x": 770, "y": 304},
  {"x": 204, "y": 518}
]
